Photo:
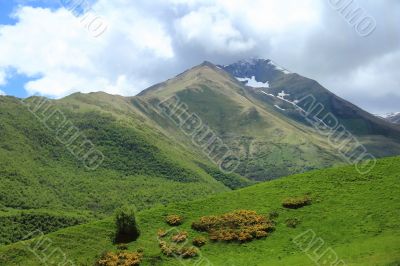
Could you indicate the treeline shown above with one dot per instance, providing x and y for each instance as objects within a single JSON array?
[{"x": 18, "y": 225}]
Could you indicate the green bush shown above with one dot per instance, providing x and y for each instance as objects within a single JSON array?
[
  {"x": 126, "y": 227},
  {"x": 296, "y": 202},
  {"x": 273, "y": 215},
  {"x": 292, "y": 222}
]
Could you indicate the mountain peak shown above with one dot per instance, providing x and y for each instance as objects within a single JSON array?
[
  {"x": 254, "y": 62},
  {"x": 205, "y": 72},
  {"x": 207, "y": 63},
  {"x": 261, "y": 70}
]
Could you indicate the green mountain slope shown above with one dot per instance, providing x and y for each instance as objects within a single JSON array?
[
  {"x": 355, "y": 216},
  {"x": 268, "y": 144},
  {"x": 141, "y": 165},
  {"x": 267, "y": 133}
]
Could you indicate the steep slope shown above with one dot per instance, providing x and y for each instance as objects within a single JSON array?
[
  {"x": 289, "y": 91},
  {"x": 355, "y": 217},
  {"x": 140, "y": 165},
  {"x": 257, "y": 124}
]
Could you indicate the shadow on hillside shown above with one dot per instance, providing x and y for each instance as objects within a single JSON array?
[{"x": 124, "y": 238}]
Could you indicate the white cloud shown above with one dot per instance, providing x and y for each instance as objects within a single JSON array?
[
  {"x": 150, "y": 41},
  {"x": 221, "y": 34},
  {"x": 2, "y": 93},
  {"x": 139, "y": 47},
  {"x": 377, "y": 76},
  {"x": 68, "y": 59},
  {"x": 2, "y": 77}
]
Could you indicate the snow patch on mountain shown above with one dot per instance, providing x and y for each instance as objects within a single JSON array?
[
  {"x": 389, "y": 115},
  {"x": 252, "y": 82},
  {"x": 269, "y": 94},
  {"x": 282, "y": 95},
  {"x": 280, "y": 108}
]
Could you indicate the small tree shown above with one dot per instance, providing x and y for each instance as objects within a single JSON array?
[{"x": 126, "y": 227}]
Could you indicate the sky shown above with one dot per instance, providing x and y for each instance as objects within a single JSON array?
[{"x": 57, "y": 47}]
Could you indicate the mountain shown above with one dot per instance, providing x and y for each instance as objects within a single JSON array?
[
  {"x": 268, "y": 145},
  {"x": 259, "y": 110},
  {"x": 293, "y": 92},
  {"x": 391, "y": 117},
  {"x": 351, "y": 218}
]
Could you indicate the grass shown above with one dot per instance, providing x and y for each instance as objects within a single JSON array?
[
  {"x": 356, "y": 216},
  {"x": 141, "y": 166}
]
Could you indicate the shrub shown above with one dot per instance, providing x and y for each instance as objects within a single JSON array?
[
  {"x": 126, "y": 227},
  {"x": 120, "y": 259},
  {"x": 199, "y": 241},
  {"x": 273, "y": 215},
  {"x": 174, "y": 220},
  {"x": 296, "y": 202},
  {"x": 292, "y": 222},
  {"x": 170, "y": 250},
  {"x": 161, "y": 233},
  {"x": 241, "y": 225},
  {"x": 167, "y": 249},
  {"x": 180, "y": 237},
  {"x": 188, "y": 252}
]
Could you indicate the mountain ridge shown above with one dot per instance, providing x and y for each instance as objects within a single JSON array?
[
  {"x": 261, "y": 122},
  {"x": 217, "y": 82},
  {"x": 393, "y": 117},
  {"x": 262, "y": 125}
]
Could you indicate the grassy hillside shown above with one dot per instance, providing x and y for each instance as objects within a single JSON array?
[
  {"x": 269, "y": 144},
  {"x": 356, "y": 216},
  {"x": 141, "y": 165},
  {"x": 16, "y": 224}
]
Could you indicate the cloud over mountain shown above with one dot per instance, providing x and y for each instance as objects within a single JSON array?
[{"x": 147, "y": 42}]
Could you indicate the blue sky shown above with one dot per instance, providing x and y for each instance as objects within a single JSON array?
[{"x": 15, "y": 81}]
